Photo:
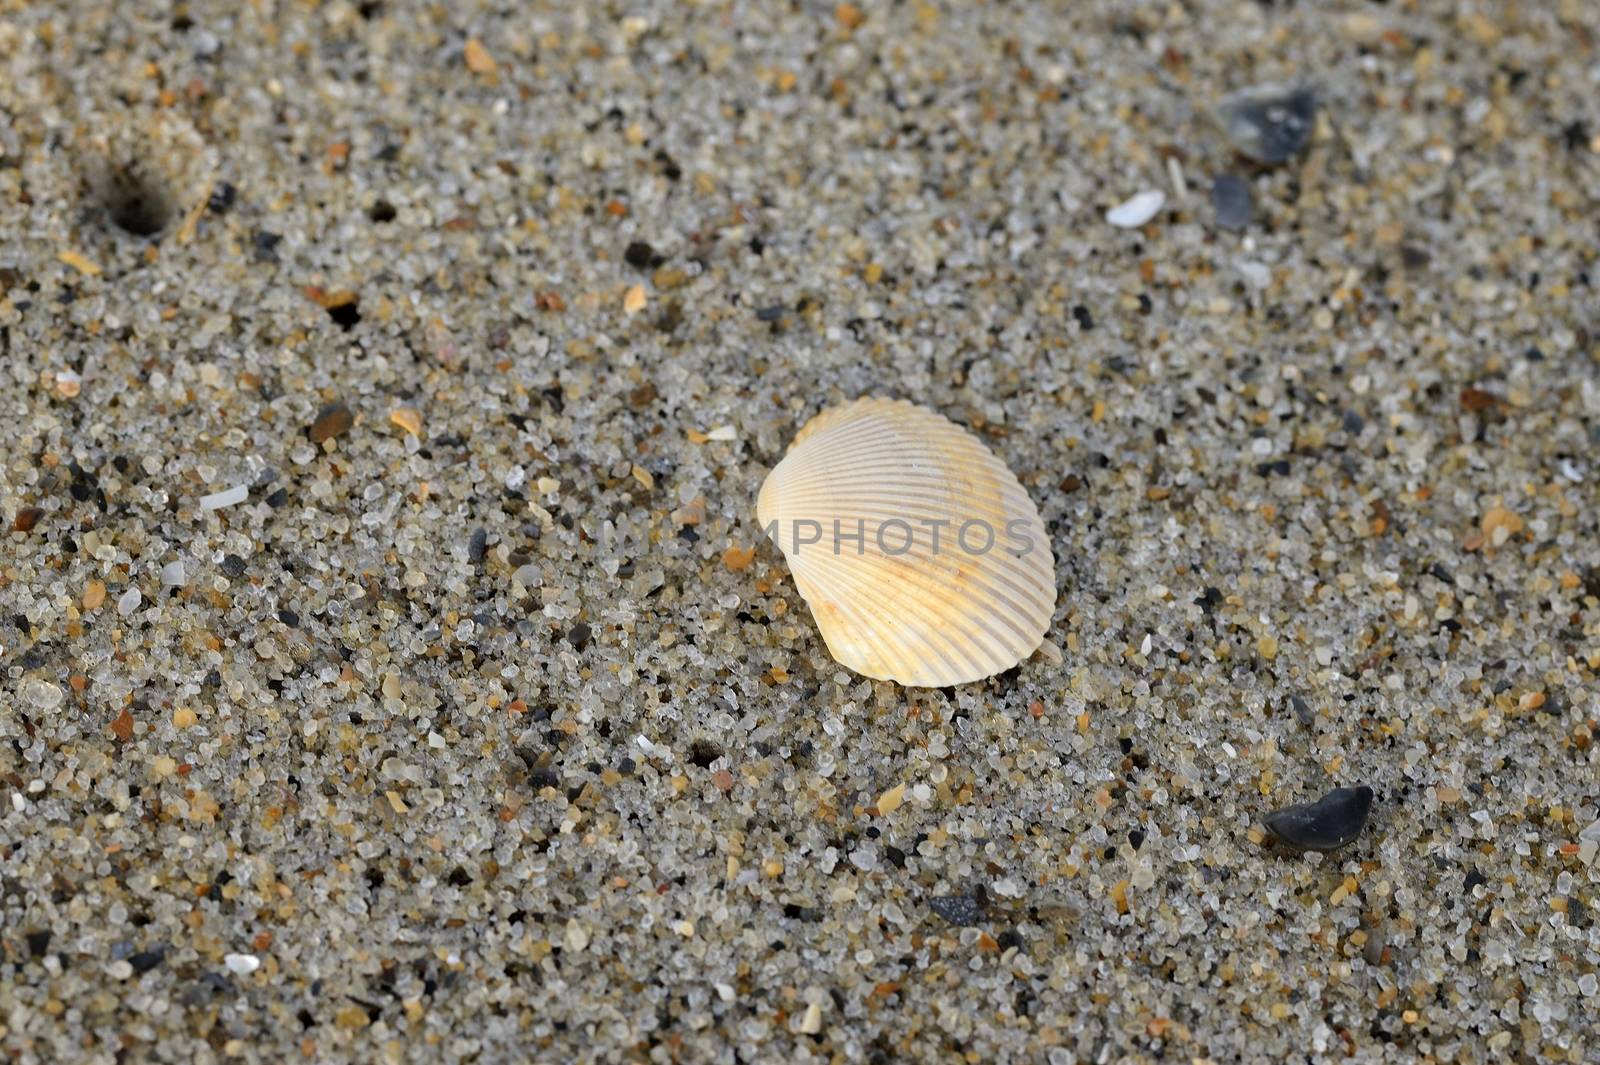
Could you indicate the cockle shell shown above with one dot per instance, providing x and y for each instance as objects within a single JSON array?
[{"x": 952, "y": 579}]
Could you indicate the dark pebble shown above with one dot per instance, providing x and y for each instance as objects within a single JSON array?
[
  {"x": 38, "y": 942},
  {"x": 477, "y": 545},
  {"x": 960, "y": 910},
  {"x": 578, "y": 637},
  {"x": 1230, "y": 196},
  {"x": 1304, "y": 712},
  {"x": 233, "y": 566},
  {"x": 641, "y": 256},
  {"x": 146, "y": 960},
  {"x": 1332, "y": 821},
  {"x": 769, "y": 314},
  {"x": 222, "y": 198},
  {"x": 267, "y": 246},
  {"x": 1270, "y": 124}
]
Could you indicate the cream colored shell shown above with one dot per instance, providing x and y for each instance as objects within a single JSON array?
[{"x": 896, "y": 605}]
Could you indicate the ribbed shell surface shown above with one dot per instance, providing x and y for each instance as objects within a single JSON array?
[{"x": 952, "y": 579}]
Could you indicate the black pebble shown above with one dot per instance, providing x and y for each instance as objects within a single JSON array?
[
  {"x": 1332, "y": 821},
  {"x": 1270, "y": 125},
  {"x": 146, "y": 960},
  {"x": 960, "y": 910},
  {"x": 641, "y": 256},
  {"x": 38, "y": 942},
  {"x": 477, "y": 545},
  {"x": 1230, "y": 196},
  {"x": 578, "y": 637},
  {"x": 267, "y": 246},
  {"x": 222, "y": 198}
]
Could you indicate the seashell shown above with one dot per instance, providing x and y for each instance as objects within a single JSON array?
[{"x": 921, "y": 557}]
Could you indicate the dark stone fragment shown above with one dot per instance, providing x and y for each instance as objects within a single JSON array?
[
  {"x": 1270, "y": 124},
  {"x": 1230, "y": 197},
  {"x": 477, "y": 545},
  {"x": 578, "y": 635},
  {"x": 1084, "y": 318},
  {"x": 1330, "y": 822},
  {"x": 38, "y": 941},
  {"x": 641, "y": 256},
  {"x": 222, "y": 197},
  {"x": 1413, "y": 257},
  {"x": 146, "y": 960},
  {"x": 232, "y": 567},
  {"x": 267, "y": 246},
  {"x": 962, "y": 910}
]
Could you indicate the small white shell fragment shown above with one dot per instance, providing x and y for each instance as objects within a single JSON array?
[
  {"x": 241, "y": 964},
  {"x": 172, "y": 575},
  {"x": 1133, "y": 213},
  {"x": 129, "y": 601},
  {"x": 225, "y": 498},
  {"x": 920, "y": 555},
  {"x": 723, "y": 432}
]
